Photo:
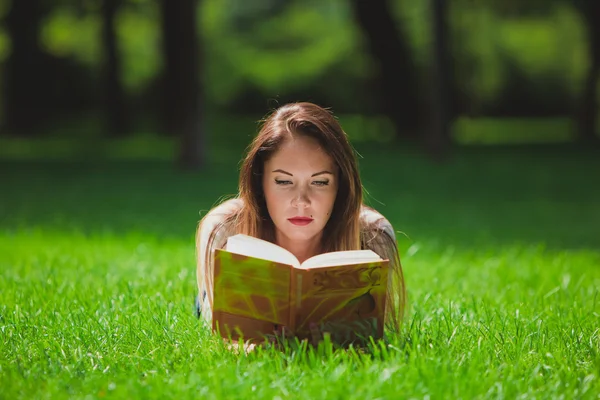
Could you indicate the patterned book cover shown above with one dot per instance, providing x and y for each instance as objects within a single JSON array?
[
  {"x": 252, "y": 297},
  {"x": 346, "y": 301}
]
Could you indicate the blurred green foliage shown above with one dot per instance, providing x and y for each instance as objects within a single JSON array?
[
  {"x": 66, "y": 34},
  {"x": 281, "y": 53},
  {"x": 308, "y": 46},
  {"x": 232, "y": 134},
  {"x": 540, "y": 46}
]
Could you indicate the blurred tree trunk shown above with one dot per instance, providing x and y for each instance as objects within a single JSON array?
[
  {"x": 396, "y": 78},
  {"x": 24, "y": 108},
  {"x": 115, "y": 109},
  {"x": 182, "y": 97},
  {"x": 438, "y": 134},
  {"x": 588, "y": 111}
]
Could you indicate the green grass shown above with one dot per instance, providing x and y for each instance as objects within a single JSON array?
[{"x": 501, "y": 257}]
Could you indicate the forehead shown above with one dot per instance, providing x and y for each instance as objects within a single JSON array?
[{"x": 300, "y": 152}]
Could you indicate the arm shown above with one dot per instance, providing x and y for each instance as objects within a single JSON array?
[{"x": 373, "y": 224}]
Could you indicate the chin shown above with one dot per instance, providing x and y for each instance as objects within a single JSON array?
[{"x": 301, "y": 233}]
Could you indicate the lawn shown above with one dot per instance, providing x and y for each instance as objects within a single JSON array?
[{"x": 501, "y": 253}]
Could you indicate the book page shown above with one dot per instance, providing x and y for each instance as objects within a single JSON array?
[
  {"x": 340, "y": 258},
  {"x": 258, "y": 248}
]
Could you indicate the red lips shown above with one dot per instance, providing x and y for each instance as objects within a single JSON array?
[{"x": 300, "y": 221}]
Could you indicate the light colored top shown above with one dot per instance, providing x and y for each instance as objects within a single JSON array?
[{"x": 373, "y": 225}]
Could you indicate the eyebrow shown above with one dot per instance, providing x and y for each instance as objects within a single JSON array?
[
  {"x": 321, "y": 173},
  {"x": 315, "y": 174}
]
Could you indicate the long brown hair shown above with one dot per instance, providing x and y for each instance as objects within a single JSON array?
[{"x": 343, "y": 230}]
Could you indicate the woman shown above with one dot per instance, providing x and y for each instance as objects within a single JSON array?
[{"x": 300, "y": 188}]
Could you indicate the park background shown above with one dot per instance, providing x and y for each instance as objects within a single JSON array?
[{"x": 123, "y": 121}]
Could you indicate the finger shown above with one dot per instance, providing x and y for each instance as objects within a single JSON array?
[{"x": 248, "y": 347}]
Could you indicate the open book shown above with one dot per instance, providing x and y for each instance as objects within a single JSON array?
[{"x": 259, "y": 286}]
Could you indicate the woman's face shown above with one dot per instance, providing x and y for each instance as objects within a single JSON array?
[{"x": 300, "y": 183}]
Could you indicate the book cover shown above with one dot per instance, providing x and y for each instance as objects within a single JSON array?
[
  {"x": 346, "y": 301},
  {"x": 253, "y": 296}
]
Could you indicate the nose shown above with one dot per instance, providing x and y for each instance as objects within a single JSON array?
[{"x": 301, "y": 199}]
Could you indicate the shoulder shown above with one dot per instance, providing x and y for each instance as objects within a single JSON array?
[
  {"x": 223, "y": 210},
  {"x": 371, "y": 221},
  {"x": 218, "y": 220},
  {"x": 378, "y": 235}
]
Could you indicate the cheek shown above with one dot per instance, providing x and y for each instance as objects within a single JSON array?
[
  {"x": 326, "y": 201},
  {"x": 275, "y": 201}
]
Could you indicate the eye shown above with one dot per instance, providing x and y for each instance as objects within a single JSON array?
[
  {"x": 321, "y": 183},
  {"x": 282, "y": 182}
]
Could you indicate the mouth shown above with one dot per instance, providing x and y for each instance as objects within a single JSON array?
[{"x": 300, "y": 221}]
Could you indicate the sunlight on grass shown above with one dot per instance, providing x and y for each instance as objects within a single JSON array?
[
  {"x": 113, "y": 314},
  {"x": 501, "y": 261}
]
